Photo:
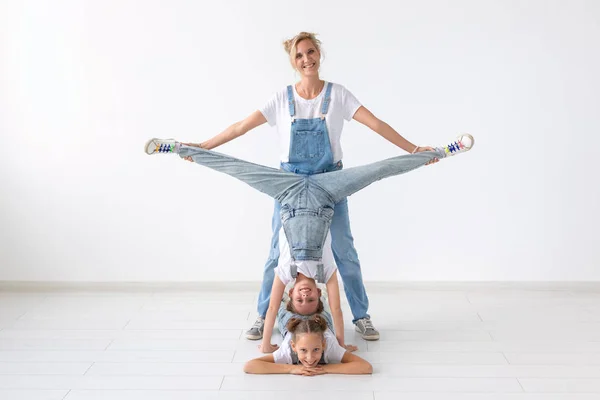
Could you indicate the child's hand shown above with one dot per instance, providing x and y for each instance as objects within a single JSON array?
[
  {"x": 307, "y": 371},
  {"x": 267, "y": 347},
  {"x": 350, "y": 347}
]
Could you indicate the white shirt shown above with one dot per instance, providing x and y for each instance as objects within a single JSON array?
[
  {"x": 333, "y": 351},
  {"x": 307, "y": 268},
  {"x": 343, "y": 106}
]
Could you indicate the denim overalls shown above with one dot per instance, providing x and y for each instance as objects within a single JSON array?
[{"x": 310, "y": 149}]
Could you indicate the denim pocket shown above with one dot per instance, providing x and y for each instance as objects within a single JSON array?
[
  {"x": 308, "y": 145},
  {"x": 306, "y": 229}
]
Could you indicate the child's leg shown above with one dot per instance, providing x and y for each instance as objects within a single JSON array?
[
  {"x": 343, "y": 183},
  {"x": 270, "y": 181}
]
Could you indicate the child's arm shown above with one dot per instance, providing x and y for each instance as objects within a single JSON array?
[
  {"x": 276, "y": 295},
  {"x": 351, "y": 365},
  {"x": 333, "y": 292},
  {"x": 267, "y": 365}
]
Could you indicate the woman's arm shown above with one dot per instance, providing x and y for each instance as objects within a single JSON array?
[
  {"x": 236, "y": 130},
  {"x": 366, "y": 118},
  {"x": 276, "y": 295},
  {"x": 333, "y": 293},
  {"x": 351, "y": 365}
]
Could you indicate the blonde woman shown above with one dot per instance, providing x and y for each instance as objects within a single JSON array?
[{"x": 309, "y": 117}]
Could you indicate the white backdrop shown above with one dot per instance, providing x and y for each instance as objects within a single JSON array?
[{"x": 85, "y": 83}]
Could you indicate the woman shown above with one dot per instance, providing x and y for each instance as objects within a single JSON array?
[{"x": 309, "y": 117}]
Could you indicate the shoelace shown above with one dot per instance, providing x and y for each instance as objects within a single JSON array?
[
  {"x": 368, "y": 324},
  {"x": 257, "y": 323},
  {"x": 165, "y": 148},
  {"x": 454, "y": 147}
]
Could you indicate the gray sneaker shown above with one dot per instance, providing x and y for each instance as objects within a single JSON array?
[
  {"x": 256, "y": 332},
  {"x": 366, "y": 329}
]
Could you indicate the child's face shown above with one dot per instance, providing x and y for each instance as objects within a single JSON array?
[
  {"x": 309, "y": 347},
  {"x": 305, "y": 296}
]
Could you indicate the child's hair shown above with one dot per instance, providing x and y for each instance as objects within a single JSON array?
[
  {"x": 314, "y": 324},
  {"x": 290, "y": 307}
]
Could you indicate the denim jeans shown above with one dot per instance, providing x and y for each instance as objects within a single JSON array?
[{"x": 308, "y": 202}]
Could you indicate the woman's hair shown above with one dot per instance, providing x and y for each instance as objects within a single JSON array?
[
  {"x": 290, "y": 307},
  {"x": 314, "y": 324},
  {"x": 291, "y": 44}
]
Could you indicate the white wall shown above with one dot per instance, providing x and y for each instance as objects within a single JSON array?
[{"x": 85, "y": 83}]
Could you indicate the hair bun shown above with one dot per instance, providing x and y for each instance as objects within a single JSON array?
[
  {"x": 292, "y": 324},
  {"x": 320, "y": 321}
]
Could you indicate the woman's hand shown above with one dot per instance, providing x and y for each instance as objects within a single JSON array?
[
  {"x": 189, "y": 158},
  {"x": 307, "y": 371},
  {"x": 426, "y": 148},
  {"x": 267, "y": 348}
]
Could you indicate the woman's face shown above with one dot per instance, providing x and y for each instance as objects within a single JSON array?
[
  {"x": 309, "y": 347},
  {"x": 307, "y": 58},
  {"x": 305, "y": 296}
]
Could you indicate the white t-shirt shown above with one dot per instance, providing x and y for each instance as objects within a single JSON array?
[
  {"x": 333, "y": 351},
  {"x": 307, "y": 268},
  {"x": 343, "y": 106}
]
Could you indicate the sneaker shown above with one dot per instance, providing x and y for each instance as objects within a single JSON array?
[
  {"x": 462, "y": 144},
  {"x": 256, "y": 332},
  {"x": 155, "y": 146},
  {"x": 365, "y": 327}
]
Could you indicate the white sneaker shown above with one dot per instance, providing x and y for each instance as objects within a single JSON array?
[
  {"x": 463, "y": 143},
  {"x": 155, "y": 146}
]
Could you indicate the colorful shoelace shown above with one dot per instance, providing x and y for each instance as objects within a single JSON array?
[
  {"x": 454, "y": 147},
  {"x": 165, "y": 148}
]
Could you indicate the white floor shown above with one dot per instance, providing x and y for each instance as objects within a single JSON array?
[{"x": 446, "y": 342}]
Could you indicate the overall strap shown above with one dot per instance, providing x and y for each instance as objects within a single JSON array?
[
  {"x": 326, "y": 100},
  {"x": 320, "y": 274},
  {"x": 290, "y": 93},
  {"x": 293, "y": 270}
]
